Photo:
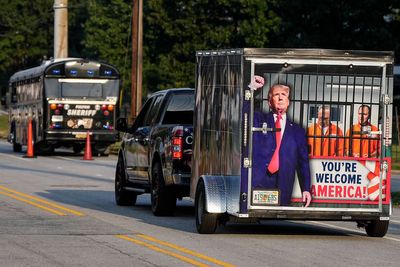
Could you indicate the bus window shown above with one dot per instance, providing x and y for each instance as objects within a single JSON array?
[{"x": 81, "y": 90}]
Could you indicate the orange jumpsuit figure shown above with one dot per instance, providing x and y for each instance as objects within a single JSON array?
[
  {"x": 363, "y": 144},
  {"x": 325, "y": 138}
]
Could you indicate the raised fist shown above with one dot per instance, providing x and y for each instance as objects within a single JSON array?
[{"x": 256, "y": 82}]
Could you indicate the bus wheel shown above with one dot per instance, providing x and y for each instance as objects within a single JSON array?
[
  {"x": 77, "y": 148},
  {"x": 206, "y": 223},
  {"x": 377, "y": 228},
  {"x": 163, "y": 199},
  {"x": 44, "y": 149},
  {"x": 17, "y": 147},
  {"x": 122, "y": 196},
  {"x": 99, "y": 149}
]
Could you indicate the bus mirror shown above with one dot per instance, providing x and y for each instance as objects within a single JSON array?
[{"x": 122, "y": 124}]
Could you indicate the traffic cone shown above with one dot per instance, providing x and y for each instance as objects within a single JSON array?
[
  {"x": 29, "y": 151},
  {"x": 87, "y": 155}
]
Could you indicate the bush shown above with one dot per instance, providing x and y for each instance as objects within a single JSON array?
[{"x": 3, "y": 126}]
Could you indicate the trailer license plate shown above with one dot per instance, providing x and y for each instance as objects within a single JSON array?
[{"x": 266, "y": 197}]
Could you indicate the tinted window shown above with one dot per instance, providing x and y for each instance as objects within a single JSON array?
[
  {"x": 81, "y": 90},
  {"x": 180, "y": 109}
]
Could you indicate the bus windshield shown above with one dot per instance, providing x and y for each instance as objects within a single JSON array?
[{"x": 81, "y": 88}]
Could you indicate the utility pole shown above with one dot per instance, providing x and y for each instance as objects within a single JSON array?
[
  {"x": 60, "y": 28},
  {"x": 137, "y": 57}
]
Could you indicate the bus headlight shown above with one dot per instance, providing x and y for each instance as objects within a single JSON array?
[{"x": 66, "y": 106}]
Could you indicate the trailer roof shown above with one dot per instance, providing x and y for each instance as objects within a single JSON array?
[{"x": 386, "y": 56}]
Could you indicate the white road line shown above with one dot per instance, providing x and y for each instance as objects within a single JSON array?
[
  {"x": 395, "y": 221},
  {"x": 65, "y": 158},
  {"x": 13, "y": 156},
  {"x": 352, "y": 230}
]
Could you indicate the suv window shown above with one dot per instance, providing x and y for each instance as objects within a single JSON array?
[
  {"x": 180, "y": 109},
  {"x": 152, "y": 113}
]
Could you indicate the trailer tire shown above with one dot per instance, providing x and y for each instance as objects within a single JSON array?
[
  {"x": 206, "y": 223},
  {"x": 377, "y": 228},
  {"x": 163, "y": 199},
  {"x": 122, "y": 196}
]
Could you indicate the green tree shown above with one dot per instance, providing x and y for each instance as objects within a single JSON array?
[
  {"x": 339, "y": 24},
  {"x": 175, "y": 29},
  {"x": 27, "y": 34},
  {"x": 107, "y": 33},
  {"x": 26, "y": 30}
]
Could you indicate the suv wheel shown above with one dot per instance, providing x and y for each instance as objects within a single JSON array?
[
  {"x": 122, "y": 196},
  {"x": 163, "y": 199}
]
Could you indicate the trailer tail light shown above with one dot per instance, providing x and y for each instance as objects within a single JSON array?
[{"x": 177, "y": 147}]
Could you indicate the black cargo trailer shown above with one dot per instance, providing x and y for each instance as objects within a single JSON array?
[{"x": 339, "y": 116}]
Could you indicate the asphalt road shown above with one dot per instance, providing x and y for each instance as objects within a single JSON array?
[{"x": 60, "y": 211}]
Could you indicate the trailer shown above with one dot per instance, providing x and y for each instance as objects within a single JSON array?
[{"x": 340, "y": 100}]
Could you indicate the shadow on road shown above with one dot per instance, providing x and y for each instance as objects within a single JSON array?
[{"x": 184, "y": 219}]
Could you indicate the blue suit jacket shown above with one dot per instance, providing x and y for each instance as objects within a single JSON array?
[{"x": 293, "y": 156}]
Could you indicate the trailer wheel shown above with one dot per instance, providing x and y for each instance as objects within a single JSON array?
[
  {"x": 122, "y": 196},
  {"x": 377, "y": 228},
  {"x": 163, "y": 199},
  {"x": 206, "y": 223}
]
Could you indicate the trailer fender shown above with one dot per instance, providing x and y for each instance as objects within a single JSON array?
[{"x": 222, "y": 193}]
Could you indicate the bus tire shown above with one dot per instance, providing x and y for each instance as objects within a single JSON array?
[
  {"x": 99, "y": 150},
  {"x": 163, "y": 199},
  {"x": 42, "y": 148},
  {"x": 206, "y": 223},
  {"x": 122, "y": 196},
  {"x": 17, "y": 147},
  {"x": 377, "y": 228},
  {"x": 77, "y": 148}
]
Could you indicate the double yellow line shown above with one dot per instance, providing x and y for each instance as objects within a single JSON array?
[
  {"x": 38, "y": 202},
  {"x": 154, "y": 244}
]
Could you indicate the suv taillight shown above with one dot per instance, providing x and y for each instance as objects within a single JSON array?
[{"x": 177, "y": 143}]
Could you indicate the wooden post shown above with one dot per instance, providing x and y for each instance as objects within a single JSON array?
[
  {"x": 60, "y": 28},
  {"x": 137, "y": 43}
]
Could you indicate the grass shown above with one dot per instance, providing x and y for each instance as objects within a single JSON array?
[
  {"x": 114, "y": 148},
  {"x": 3, "y": 126}
]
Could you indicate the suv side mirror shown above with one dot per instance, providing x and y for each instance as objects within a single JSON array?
[{"x": 122, "y": 125}]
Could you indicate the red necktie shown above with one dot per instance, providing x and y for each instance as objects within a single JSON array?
[{"x": 274, "y": 164}]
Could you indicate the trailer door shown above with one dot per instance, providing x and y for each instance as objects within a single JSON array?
[{"x": 339, "y": 117}]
